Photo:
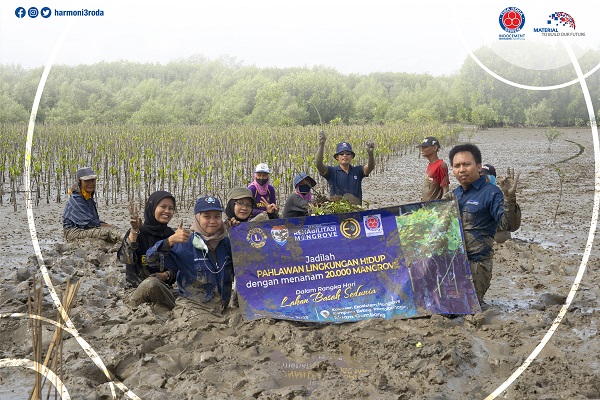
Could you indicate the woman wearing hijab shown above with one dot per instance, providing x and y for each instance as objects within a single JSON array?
[
  {"x": 204, "y": 262},
  {"x": 152, "y": 283},
  {"x": 296, "y": 204},
  {"x": 263, "y": 192},
  {"x": 240, "y": 203}
]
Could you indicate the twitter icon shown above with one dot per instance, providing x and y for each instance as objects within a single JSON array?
[{"x": 46, "y": 12}]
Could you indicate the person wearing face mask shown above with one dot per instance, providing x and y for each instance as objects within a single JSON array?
[
  {"x": 240, "y": 203},
  {"x": 263, "y": 192},
  {"x": 296, "y": 204},
  {"x": 204, "y": 263}
]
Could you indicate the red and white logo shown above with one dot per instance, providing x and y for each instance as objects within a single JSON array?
[{"x": 373, "y": 225}]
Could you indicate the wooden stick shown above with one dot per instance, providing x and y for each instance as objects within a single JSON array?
[{"x": 69, "y": 296}]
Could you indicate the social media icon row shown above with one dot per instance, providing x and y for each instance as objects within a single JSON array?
[{"x": 33, "y": 12}]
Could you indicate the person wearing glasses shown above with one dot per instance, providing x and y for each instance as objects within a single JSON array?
[
  {"x": 345, "y": 179},
  {"x": 240, "y": 203}
]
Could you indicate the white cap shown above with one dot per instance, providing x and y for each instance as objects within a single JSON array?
[{"x": 262, "y": 167}]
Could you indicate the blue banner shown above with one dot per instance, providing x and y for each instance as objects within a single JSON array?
[{"x": 352, "y": 266}]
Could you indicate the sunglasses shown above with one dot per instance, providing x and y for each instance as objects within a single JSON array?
[{"x": 345, "y": 153}]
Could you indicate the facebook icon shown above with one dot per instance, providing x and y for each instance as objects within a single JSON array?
[{"x": 20, "y": 12}]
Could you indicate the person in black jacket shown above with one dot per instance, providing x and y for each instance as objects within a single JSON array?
[
  {"x": 148, "y": 280},
  {"x": 296, "y": 204}
]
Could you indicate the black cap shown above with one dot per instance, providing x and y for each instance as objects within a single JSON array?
[
  {"x": 429, "y": 141},
  {"x": 488, "y": 169}
]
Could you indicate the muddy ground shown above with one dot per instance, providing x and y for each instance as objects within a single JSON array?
[{"x": 159, "y": 356}]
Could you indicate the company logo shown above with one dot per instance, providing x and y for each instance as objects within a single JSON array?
[
  {"x": 20, "y": 12},
  {"x": 561, "y": 18},
  {"x": 512, "y": 19},
  {"x": 325, "y": 313},
  {"x": 316, "y": 232},
  {"x": 350, "y": 228},
  {"x": 280, "y": 234},
  {"x": 558, "y": 24},
  {"x": 256, "y": 237},
  {"x": 373, "y": 225},
  {"x": 46, "y": 12}
]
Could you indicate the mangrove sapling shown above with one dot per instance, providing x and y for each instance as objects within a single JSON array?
[
  {"x": 552, "y": 134},
  {"x": 561, "y": 177},
  {"x": 192, "y": 159}
]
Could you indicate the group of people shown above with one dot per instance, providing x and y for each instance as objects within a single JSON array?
[{"x": 200, "y": 261}]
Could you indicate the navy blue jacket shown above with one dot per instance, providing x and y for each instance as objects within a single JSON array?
[
  {"x": 199, "y": 275},
  {"x": 482, "y": 209}
]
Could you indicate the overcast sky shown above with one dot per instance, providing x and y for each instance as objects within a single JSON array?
[{"x": 422, "y": 36}]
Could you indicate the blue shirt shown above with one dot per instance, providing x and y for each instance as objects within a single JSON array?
[
  {"x": 481, "y": 208},
  {"x": 341, "y": 182}
]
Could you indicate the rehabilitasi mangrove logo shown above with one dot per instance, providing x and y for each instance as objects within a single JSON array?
[
  {"x": 512, "y": 20},
  {"x": 559, "y": 23}
]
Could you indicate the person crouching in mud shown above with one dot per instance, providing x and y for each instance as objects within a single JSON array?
[
  {"x": 80, "y": 216},
  {"x": 152, "y": 285},
  {"x": 204, "y": 263}
]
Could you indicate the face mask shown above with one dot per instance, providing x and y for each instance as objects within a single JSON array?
[
  {"x": 304, "y": 189},
  {"x": 198, "y": 242},
  {"x": 261, "y": 181}
]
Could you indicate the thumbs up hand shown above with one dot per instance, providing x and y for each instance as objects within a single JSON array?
[{"x": 181, "y": 235}]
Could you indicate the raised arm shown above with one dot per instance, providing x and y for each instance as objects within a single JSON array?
[
  {"x": 322, "y": 168},
  {"x": 511, "y": 219},
  {"x": 371, "y": 161}
]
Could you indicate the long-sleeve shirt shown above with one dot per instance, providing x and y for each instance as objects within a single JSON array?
[
  {"x": 270, "y": 197},
  {"x": 200, "y": 275},
  {"x": 483, "y": 210}
]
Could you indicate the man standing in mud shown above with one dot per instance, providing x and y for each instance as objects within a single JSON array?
[
  {"x": 436, "y": 175},
  {"x": 484, "y": 207},
  {"x": 345, "y": 179}
]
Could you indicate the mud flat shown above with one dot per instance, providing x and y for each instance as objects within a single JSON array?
[{"x": 158, "y": 355}]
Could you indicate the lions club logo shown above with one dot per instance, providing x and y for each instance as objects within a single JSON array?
[{"x": 256, "y": 237}]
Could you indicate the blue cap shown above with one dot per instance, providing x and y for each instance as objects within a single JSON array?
[
  {"x": 343, "y": 146},
  {"x": 207, "y": 203},
  {"x": 301, "y": 176}
]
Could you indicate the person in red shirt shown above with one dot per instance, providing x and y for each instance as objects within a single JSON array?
[{"x": 437, "y": 179}]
